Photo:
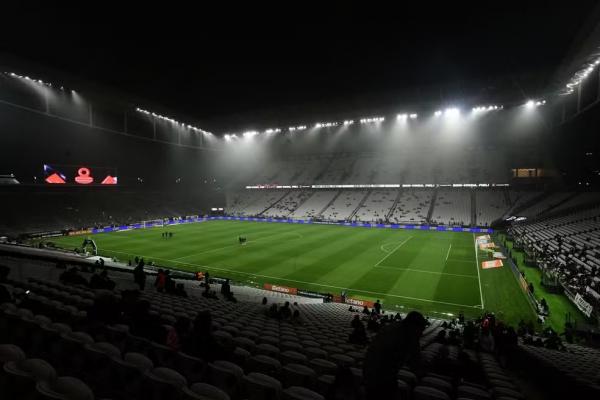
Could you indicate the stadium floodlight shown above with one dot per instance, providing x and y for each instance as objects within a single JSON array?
[
  {"x": 401, "y": 117},
  {"x": 370, "y": 120},
  {"x": 530, "y": 104},
  {"x": 227, "y": 137},
  {"x": 249, "y": 134},
  {"x": 437, "y": 113},
  {"x": 452, "y": 112},
  {"x": 173, "y": 121},
  {"x": 348, "y": 122},
  {"x": 413, "y": 116}
]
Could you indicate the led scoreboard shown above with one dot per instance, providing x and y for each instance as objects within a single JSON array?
[{"x": 79, "y": 175}]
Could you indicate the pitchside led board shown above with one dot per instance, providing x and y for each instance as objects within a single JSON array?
[{"x": 79, "y": 175}]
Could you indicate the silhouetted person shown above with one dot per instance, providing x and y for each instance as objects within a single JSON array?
[
  {"x": 139, "y": 276},
  {"x": 397, "y": 344},
  {"x": 377, "y": 307},
  {"x": 202, "y": 343}
]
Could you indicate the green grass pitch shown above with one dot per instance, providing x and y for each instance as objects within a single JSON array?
[{"x": 435, "y": 272}]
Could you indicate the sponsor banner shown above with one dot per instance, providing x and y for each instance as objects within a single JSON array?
[
  {"x": 583, "y": 305},
  {"x": 280, "y": 289},
  {"x": 499, "y": 254},
  {"x": 484, "y": 246},
  {"x": 46, "y": 234},
  {"x": 81, "y": 232},
  {"x": 483, "y": 239},
  {"x": 491, "y": 264},
  {"x": 308, "y": 293},
  {"x": 359, "y": 302}
]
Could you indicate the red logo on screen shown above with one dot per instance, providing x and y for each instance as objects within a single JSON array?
[
  {"x": 55, "y": 179},
  {"x": 109, "y": 180},
  {"x": 83, "y": 176}
]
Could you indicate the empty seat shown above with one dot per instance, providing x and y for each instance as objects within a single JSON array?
[
  {"x": 342, "y": 360},
  {"x": 298, "y": 375},
  {"x": 429, "y": 393},
  {"x": 245, "y": 343},
  {"x": 437, "y": 383},
  {"x": 323, "y": 366},
  {"x": 314, "y": 352},
  {"x": 261, "y": 387},
  {"x": 264, "y": 364},
  {"x": 10, "y": 352},
  {"x": 204, "y": 391},
  {"x": 226, "y": 375},
  {"x": 267, "y": 350},
  {"x": 293, "y": 357},
  {"x": 471, "y": 392},
  {"x": 64, "y": 388},
  {"x": 300, "y": 393}
]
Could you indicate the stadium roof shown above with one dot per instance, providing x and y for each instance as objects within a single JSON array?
[{"x": 275, "y": 67}]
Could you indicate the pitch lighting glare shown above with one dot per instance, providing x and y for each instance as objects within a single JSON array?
[
  {"x": 486, "y": 108},
  {"x": 586, "y": 69},
  {"x": 270, "y": 131},
  {"x": 250, "y": 134},
  {"x": 371, "y": 120},
  {"x": 348, "y": 122},
  {"x": 227, "y": 137},
  {"x": 437, "y": 113},
  {"x": 297, "y": 128},
  {"x": 452, "y": 112},
  {"x": 325, "y": 124},
  {"x": 401, "y": 117},
  {"x": 173, "y": 121},
  {"x": 413, "y": 116},
  {"x": 41, "y": 82},
  {"x": 533, "y": 103}
]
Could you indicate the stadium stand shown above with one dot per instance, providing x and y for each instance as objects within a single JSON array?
[
  {"x": 545, "y": 204},
  {"x": 343, "y": 206},
  {"x": 569, "y": 246},
  {"x": 491, "y": 206},
  {"x": 288, "y": 204},
  {"x": 452, "y": 207},
  {"x": 315, "y": 204},
  {"x": 376, "y": 206},
  {"x": 412, "y": 207},
  {"x": 69, "y": 341}
]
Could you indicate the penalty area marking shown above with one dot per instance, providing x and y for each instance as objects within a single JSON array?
[{"x": 304, "y": 282}]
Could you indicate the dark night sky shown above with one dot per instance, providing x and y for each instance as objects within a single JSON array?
[{"x": 209, "y": 64}]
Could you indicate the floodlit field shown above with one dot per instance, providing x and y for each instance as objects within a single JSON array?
[{"x": 406, "y": 269}]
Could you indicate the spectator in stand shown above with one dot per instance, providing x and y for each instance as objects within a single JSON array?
[
  {"x": 285, "y": 312},
  {"x": 377, "y": 307},
  {"x": 264, "y": 301},
  {"x": 96, "y": 282},
  {"x": 161, "y": 280},
  {"x": 359, "y": 334},
  {"x": 441, "y": 337},
  {"x": 366, "y": 310},
  {"x": 395, "y": 346},
  {"x": 72, "y": 277},
  {"x": 179, "y": 333},
  {"x": 202, "y": 343},
  {"x": 5, "y": 295},
  {"x": 169, "y": 282},
  {"x": 180, "y": 290},
  {"x": 355, "y": 321},
  {"x": 139, "y": 276}
]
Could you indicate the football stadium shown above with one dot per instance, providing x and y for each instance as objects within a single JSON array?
[{"x": 291, "y": 210}]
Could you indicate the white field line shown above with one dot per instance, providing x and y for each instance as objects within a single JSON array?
[
  {"x": 427, "y": 272},
  {"x": 448, "y": 253},
  {"x": 477, "y": 266},
  {"x": 392, "y": 252},
  {"x": 303, "y": 282}
]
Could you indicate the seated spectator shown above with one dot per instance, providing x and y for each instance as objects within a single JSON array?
[
  {"x": 441, "y": 337},
  {"x": 161, "y": 280},
  {"x": 366, "y": 310},
  {"x": 359, "y": 334},
  {"x": 396, "y": 345},
  {"x": 179, "y": 333},
  {"x": 202, "y": 343},
  {"x": 285, "y": 312},
  {"x": 264, "y": 301},
  {"x": 180, "y": 290}
]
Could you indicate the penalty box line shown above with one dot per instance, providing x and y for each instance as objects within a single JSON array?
[{"x": 305, "y": 282}]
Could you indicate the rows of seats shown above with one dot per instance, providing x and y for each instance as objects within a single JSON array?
[
  {"x": 570, "y": 246},
  {"x": 288, "y": 204},
  {"x": 491, "y": 206},
  {"x": 544, "y": 204},
  {"x": 56, "y": 350},
  {"x": 412, "y": 207},
  {"x": 343, "y": 206},
  {"x": 313, "y": 206},
  {"x": 377, "y": 206},
  {"x": 452, "y": 207}
]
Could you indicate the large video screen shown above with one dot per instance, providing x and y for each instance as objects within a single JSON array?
[{"x": 79, "y": 175}]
